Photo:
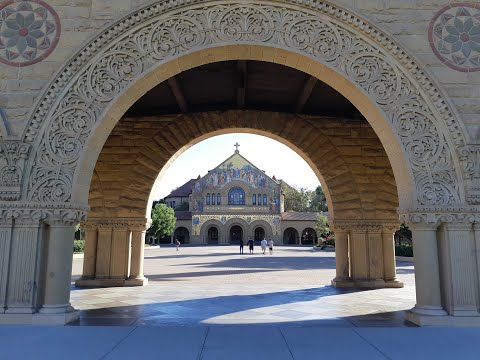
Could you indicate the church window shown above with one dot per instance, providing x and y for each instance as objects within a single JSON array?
[
  {"x": 264, "y": 199},
  {"x": 208, "y": 199},
  {"x": 236, "y": 196},
  {"x": 213, "y": 199},
  {"x": 219, "y": 201},
  {"x": 259, "y": 199},
  {"x": 254, "y": 199}
]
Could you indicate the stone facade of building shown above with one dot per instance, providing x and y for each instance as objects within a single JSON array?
[
  {"x": 237, "y": 201},
  {"x": 71, "y": 69}
]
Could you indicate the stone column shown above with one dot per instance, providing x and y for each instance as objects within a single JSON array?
[
  {"x": 427, "y": 275},
  {"x": 136, "y": 265},
  {"x": 6, "y": 225},
  {"x": 342, "y": 261},
  {"x": 56, "y": 305},
  {"x": 389, "y": 263},
  {"x": 120, "y": 253},
  {"x": 26, "y": 260},
  {"x": 90, "y": 254},
  {"x": 459, "y": 269}
]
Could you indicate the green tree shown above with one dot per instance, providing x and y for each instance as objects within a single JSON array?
[
  {"x": 323, "y": 228},
  {"x": 296, "y": 199},
  {"x": 163, "y": 221},
  {"x": 318, "y": 201}
]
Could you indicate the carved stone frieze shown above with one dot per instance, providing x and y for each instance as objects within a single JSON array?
[
  {"x": 416, "y": 110},
  {"x": 133, "y": 224},
  {"x": 371, "y": 226},
  {"x": 436, "y": 216},
  {"x": 32, "y": 213},
  {"x": 470, "y": 156},
  {"x": 13, "y": 156}
]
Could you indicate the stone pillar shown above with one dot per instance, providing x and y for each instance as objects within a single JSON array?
[
  {"x": 459, "y": 269},
  {"x": 427, "y": 273},
  {"x": 56, "y": 305},
  {"x": 26, "y": 261},
  {"x": 136, "y": 266},
  {"x": 389, "y": 263},
  {"x": 6, "y": 226},
  {"x": 90, "y": 254},
  {"x": 116, "y": 261},
  {"x": 342, "y": 261}
]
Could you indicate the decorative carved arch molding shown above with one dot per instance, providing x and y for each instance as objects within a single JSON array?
[{"x": 72, "y": 108}]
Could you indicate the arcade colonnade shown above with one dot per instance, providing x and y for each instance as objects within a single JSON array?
[{"x": 50, "y": 169}]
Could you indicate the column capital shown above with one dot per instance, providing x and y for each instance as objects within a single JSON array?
[
  {"x": 36, "y": 213},
  {"x": 372, "y": 226},
  {"x": 433, "y": 217},
  {"x": 132, "y": 224}
]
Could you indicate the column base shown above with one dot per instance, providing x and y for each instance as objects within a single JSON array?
[
  {"x": 395, "y": 283},
  {"x": 143, "y": 281},
  {"x": 94, "y": 283},
  {"x": 358, "y": 284},
  {"x": 442, "y": 320},
  {"x": 40, "y": 318}
]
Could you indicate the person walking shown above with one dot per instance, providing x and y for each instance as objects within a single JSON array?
[
  {"x": 177, "y": 244},
  {"x": 250, "y": 245},
  {"x": 264, "y": 245},
  {"x": 241, "y": 246},
  {"x": 270, "y": 246}
]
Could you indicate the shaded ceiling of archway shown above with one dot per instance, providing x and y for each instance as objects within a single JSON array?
[{"x": 254, "y": 85}]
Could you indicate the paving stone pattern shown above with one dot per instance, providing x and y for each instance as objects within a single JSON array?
[{"x": 210, "y": 286}]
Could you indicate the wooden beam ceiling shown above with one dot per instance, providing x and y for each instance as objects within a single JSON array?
[
  {"x": 305, "y": 94},
  {"x": 178, "y": 93},
  {"x": 242, "y": 83}
]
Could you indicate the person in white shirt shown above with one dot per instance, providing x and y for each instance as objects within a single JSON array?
[
  {"x": 264, "y": 245},
  {"x": 270, "y": 246}
]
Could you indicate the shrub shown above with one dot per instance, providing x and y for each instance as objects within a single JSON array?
[
  {"x": 79, "y": 246},
  {"x": 404, "y": 250}
]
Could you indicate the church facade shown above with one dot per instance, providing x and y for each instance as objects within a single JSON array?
[{"x": 237, "y": 201}]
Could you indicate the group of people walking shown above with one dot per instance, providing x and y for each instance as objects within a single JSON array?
[{"x": 264, "y": 243}]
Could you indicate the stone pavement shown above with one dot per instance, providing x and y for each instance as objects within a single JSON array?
[
  {"x": 215, "y": 285},
  {"x": 209, "y": 303}
]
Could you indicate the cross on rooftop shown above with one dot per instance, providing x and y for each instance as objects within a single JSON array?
[{"x": 237, "y": 146}]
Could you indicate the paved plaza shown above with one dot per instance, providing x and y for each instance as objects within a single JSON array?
[
  {"x": 210, "y": 303},
  {"x": 217, "y": 286}
]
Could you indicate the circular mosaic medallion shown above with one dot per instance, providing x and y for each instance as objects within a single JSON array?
[
  {"x": 454, "y": 36},
  {"x": 29, "y": 31}
]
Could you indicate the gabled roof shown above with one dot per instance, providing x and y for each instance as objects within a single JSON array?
[
  {"x": 300, "y": 216},
  {"x": 183, "y": 191}
]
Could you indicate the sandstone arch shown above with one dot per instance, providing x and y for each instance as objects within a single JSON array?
[{"x": 435, "y": 170}]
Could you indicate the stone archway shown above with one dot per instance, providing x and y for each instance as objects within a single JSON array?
[
  {"x": 435, "y": 171},
  {"x": 290, "y": 236}
]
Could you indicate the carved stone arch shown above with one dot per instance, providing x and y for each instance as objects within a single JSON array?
[
  {"x": 208, "y": 224},
  {"x": 261, "y": 223},
  {"x": 413, "y": 119}
]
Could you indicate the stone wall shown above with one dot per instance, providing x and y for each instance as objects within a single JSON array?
[{"x": 408, "y": 21}]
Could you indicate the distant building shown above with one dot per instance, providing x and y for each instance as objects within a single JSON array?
[{"x": 237, "y": 201}]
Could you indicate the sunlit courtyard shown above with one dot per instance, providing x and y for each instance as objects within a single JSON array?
[{"x": 217, "y": 286}]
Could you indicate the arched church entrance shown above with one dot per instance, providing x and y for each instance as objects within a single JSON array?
[
  {"x": 236, "y": 234},
  {"x": 182, "y": 234},
  {"x": 67, "y": 165},
  {"x": 212, "y": 235},
  {"x": 259, "y": 233},
  {"x": 309, "y": 236},
  {"x": 290, "y": 236}
]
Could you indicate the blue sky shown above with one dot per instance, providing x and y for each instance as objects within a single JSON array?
[{"x": 265, "y": 153}]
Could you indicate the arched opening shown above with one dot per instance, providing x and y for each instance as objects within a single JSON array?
[
  {"x": 182, "y": 234},
  {"x": 236, "y": 234},
  {"x": 212, "y": 235},
  {"x": 290, "y": 236},
  {"x": 259, "y": 233},
  {"x": 309, "y": 237}
]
